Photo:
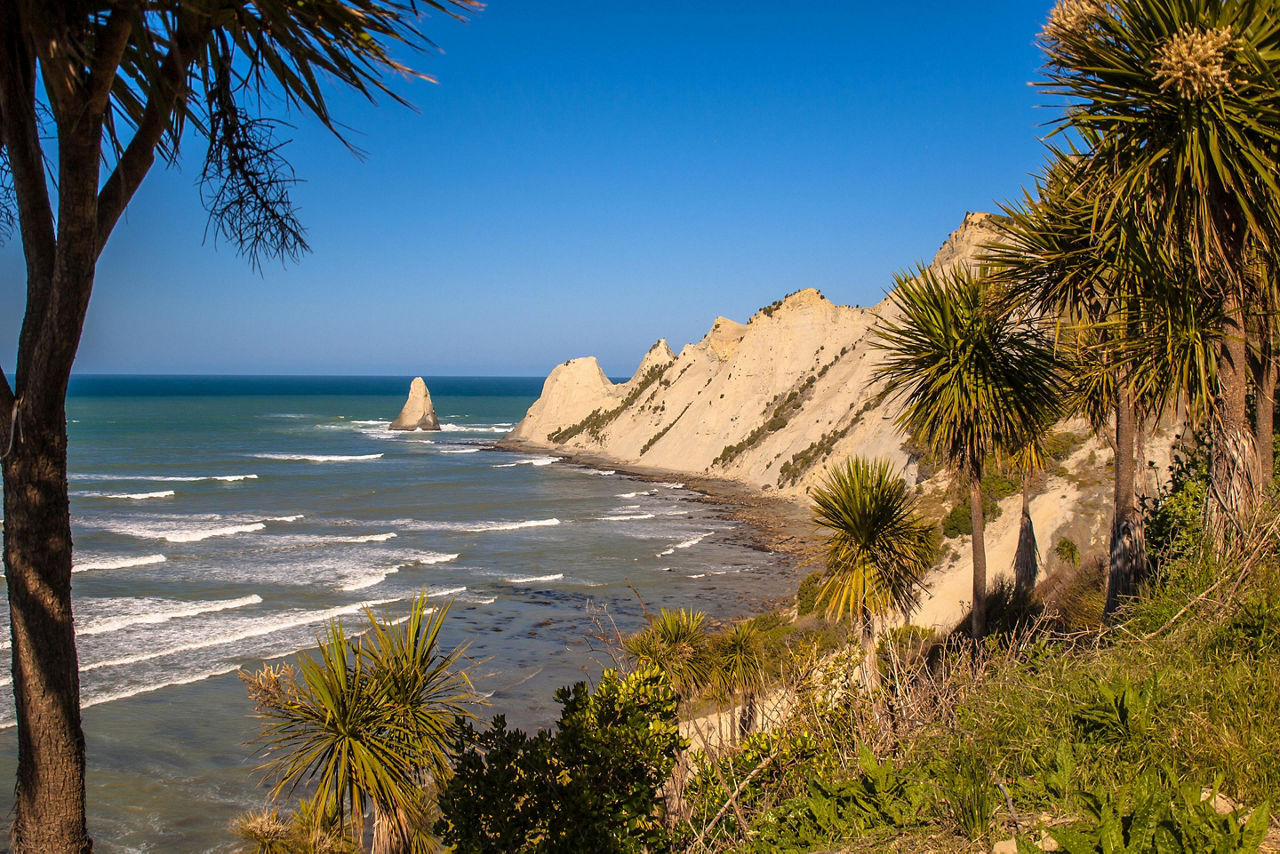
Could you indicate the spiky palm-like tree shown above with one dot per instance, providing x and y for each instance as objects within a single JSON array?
[
  {"x": 1180, "y": 101},
  {"x": 738, "y": 657},
  {"x": 676, "y": 642},
  {"x": 92, "y": 95},
  {"x": 1133, "y": 337},
  {"x": 975, "y": 379},
  {"x": 877, "y": 548},
  {"x": 367, "y": 722}
]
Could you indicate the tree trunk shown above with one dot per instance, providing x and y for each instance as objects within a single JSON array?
[
  {"x": 747, "y": 720},
  {"x": 50, "y": 790},
  {"x": 1234, "y": 464},
  {"x": 1128, "y": 543},
  {"x": 979, "y": 617},
  {"x": 1026, "y": 563},
  {"x": 1264, "y": 382},
  {"x": 870, "y": 661}
]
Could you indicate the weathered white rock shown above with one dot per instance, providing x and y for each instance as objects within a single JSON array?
[
  {"x": 418, "y": 412},
  {"x": 774, "y": 403}
]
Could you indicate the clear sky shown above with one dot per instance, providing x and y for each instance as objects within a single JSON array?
[{"x": 584, "y": 179}]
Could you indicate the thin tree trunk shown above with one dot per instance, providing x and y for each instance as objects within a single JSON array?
[
  {"x": 50, "y": 790},
  {"x": 1264, "y": 382},
  {"x": 979, "y": 617},
  {"x": 1026, "y": 563},
  {"x": 747, "y": 720},
  {"x": 870, "y": 661},
  {"x": 1234, "y": 464},
  {"x": 1128, "y": 543}
]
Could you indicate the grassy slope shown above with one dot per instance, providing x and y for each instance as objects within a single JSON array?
[{"x": 1044, "y": 729}]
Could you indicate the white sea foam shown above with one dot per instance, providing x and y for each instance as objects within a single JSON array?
[
  {"x": 482, "y": 527},
  {"x": 666, "y": 552},
  {"x": 166, "y": 610},
  {"x": 377, "y": 576},
  {"x": 529, "y": 461},
  {"x": 290, "y": 620},
  {"x": 191, "y": 529},
  {"x": 319, "y": 458},
  {"x": 93, "y": 563},
  {"x": 529, "y": 579},
  {"x": 367, "y": 538},
  {"x": 692, "y": 541},
  {"x": 635, "y": 494},
  {"x": 625, "y": 517},
  {"x": 487, "y": 600},
  {"x": 447, "y": 591},
  {"x": 185, "y": 679},
  {"x": 672, "y": 485},
  {"x": 475, "y": 428},
  {"x": 95, "y": 699},
  {"x": 131, "y": 496},
  {"x": 603, "y": 472},
  {"x": 162, "y": 478},
  {"x": 195, "y": 536},
  {"x": 460, "y": 450}
]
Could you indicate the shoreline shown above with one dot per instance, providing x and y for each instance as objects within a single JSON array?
[{"x": 774, "y": 524}]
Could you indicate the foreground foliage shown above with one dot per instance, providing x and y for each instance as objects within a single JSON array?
[
  {"x": 591, "y": 785},
  {"x": 1156, "y": 734},
  {"x": 367, "y": 723}
]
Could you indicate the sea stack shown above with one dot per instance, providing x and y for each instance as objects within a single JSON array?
[{"x": 418, "y": 412}]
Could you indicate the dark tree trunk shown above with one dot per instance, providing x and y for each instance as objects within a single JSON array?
[
  {"x": 49, "y": 809},
  {"x": 1026, "y": 562},
  {"x": 1234, "y": 464},
  {"x": 747, "y": 719},
  {"x": 1264, "y": 382},
  {"x": 979, "y": 617},
  {"x": 50, "y": 792},
  {"x": 1128, "y": 543}
]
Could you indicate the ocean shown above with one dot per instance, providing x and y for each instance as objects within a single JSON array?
[{"x": 220, "y": 522}]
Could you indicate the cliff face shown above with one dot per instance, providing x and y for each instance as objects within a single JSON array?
[
  {"x": 776, "y": 402},
  {"x": 770, "y": 403}
]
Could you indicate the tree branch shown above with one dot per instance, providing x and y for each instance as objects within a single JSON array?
[
  {"x": 138, "y": 156},
  {"x": 22, "y": 142},
  {"x": 111, "y": 46}
]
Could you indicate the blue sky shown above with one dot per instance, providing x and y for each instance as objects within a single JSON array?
[{"x": 584, "y": 179}]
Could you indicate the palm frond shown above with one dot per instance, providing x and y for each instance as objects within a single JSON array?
[{"x": 877, "y": 547}]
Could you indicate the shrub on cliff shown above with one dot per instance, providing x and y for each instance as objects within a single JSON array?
[{"x": 591, "y": 785}]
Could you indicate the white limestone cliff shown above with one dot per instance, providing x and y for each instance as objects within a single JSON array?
[
  {"x": 773, "y": 403},
  {"x": 419, "y": 413}
]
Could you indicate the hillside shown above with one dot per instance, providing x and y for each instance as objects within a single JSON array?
[{"x": 772, "y": 403}]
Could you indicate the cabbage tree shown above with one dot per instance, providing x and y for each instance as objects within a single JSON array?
[
  {"x": 877, "y": 548},
  {"x": 975, "y": 378}
]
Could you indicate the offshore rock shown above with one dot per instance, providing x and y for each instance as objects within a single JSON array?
[{"x": 418, "y": 413}]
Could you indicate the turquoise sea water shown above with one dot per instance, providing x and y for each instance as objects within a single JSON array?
[{"x": 220, "y": 521}]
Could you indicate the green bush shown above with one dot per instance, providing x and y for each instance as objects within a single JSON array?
[
  {"x": 957, "y": 523},
  {"x": 879, "y": 796},
  {"x": 807, "y": 593},
  {"x": 591, "y": 785},
  {"x": 1068, "y": 552},
  {"x": 1154, "y": 816},
  {"x": 970, "y": 794}
]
